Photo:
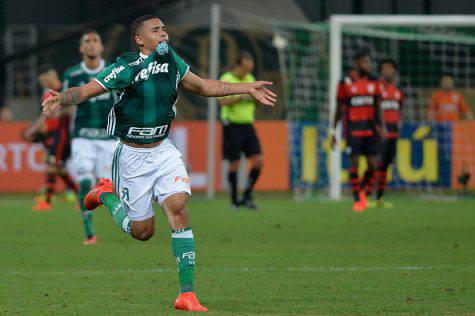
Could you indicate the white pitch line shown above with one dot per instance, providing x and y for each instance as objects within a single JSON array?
[{"x": 238, "y": 270}]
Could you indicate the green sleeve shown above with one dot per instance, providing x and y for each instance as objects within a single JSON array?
[
  {"x": 182, "y": 66},
  {"x": 115, "y": 76},
  {"x": 66, "y": 81}
]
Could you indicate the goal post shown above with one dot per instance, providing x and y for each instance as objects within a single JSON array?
[{"x": 338, "y": 24}]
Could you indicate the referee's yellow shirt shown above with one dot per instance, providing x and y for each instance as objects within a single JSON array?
[{"x": 241, "y": 112}]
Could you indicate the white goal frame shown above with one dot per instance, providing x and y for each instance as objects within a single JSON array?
[{"x": 337, "y": 22}]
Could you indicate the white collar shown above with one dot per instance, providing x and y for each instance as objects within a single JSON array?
[
  {"x": 142, "y": 55},
  {"x": 102, "y": 65}
]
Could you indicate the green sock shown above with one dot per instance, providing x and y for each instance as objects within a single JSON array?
[
  {"x": 84, "y": 187},
  {"x": 116, "y": 209},
  {"x": 183, "y": 245}
]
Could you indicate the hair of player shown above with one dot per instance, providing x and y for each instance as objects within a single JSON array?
[
  {"x": 361, "y": 54},
  {"x": 88, "y": 31},
  {"x": 45, "y": 68},
  {"x": 390, "y": 61},
  {"x": 138, "y": 22},
  {"x": 243, "y": 55}
]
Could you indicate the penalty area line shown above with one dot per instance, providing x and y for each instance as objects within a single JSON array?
[{"x": 239, "y": 270}]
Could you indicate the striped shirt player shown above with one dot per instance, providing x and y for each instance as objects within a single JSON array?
[
  {"x": 147, "y": 166},
  {"x": 391, "y": 103},
  {"x": 357, "y": 100}
]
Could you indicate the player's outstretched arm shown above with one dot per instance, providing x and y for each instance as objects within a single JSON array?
[
  {"x": 71, "y": 96},
  {"x": 215, "y": 88}
]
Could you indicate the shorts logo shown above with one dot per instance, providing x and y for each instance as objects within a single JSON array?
[
  {"x": 125, "y": 195},
  {"x": 182, "y": 179},
  {"x": 147, "y": 132}
]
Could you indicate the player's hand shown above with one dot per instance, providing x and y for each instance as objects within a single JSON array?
[
  {"x": 27, "y": 134},
  {"x": 261, "y": 94},
  {"x": 383, "y": 132},
  {"x": 332, "y": 141},
  {"x": 51, "y": 105}
]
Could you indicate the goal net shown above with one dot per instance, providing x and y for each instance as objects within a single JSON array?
[{"x": 433, "y": 157}]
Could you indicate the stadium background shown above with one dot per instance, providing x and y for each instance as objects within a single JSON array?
[{"x": 39, "y": 35}]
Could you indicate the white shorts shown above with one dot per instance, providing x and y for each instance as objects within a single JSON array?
[
  {"x": 141, "y": 175},
  {"x": 92, "y": 157}
]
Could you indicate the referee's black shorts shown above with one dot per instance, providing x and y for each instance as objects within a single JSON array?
[{"x": 239, "y": 138}]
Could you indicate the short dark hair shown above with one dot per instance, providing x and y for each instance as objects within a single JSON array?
[
  {"x": 243, "y": 55},
  {"x": 88, "y": 31},
  {"x": 138, "y": 22},
  {"x": 390, "y": 61},
  {"x": 45, "y": 68},
  {"x": 361, "y": 54}
]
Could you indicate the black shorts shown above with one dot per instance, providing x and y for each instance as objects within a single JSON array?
[
  {"x": 363, "y": 146},
  {"x": 388, "y": 151},
  {"x": 239, "y": 138},
  {"x": 58, "y": 147}
]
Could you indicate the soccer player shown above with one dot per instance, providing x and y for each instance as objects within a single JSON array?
[
  {"x": 54, "y": 134},
  {"x": 91, "y": 146},
  {"x": 391, "y": 105},
  {"x": 146, "y": 164},
  {"x": 357, "y": 100},
  {"x": 446, "y": 104},
  {"x": 239, "y": 135}
]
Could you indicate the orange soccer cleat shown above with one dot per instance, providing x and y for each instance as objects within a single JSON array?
[
  {"x": 92, "y": 201},
  {"x": 42, "y": 206},
  {"x": 359, "y": 206},
  {"x": 90, "y": 241},
  {"x": 188, "y": 302},
  {"x": 363, "y": 200}
]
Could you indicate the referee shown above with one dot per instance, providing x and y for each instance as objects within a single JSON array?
[{"x": 239, "y": 135}]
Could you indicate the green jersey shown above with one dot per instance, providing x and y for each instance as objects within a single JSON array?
[
  {"x": 148, "y": 87},
  {"x": 90, "y": 120}
]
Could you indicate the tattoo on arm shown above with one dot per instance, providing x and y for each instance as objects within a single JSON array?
[
  {"x": 71, "y": 96},
  {"x": 223, "y": 88}
]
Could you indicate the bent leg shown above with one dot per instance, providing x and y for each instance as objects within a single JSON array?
[{"x": 183, "y": 242}]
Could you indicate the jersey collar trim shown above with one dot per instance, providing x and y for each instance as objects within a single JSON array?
[{"x": 102, "y": 65}]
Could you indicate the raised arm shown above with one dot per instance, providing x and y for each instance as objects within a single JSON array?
[
  {"x": 215, "y": 88},
  {"x": 71, "y": 96}
]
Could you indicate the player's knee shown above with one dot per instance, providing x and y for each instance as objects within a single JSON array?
[
  {"x": 144, "y": 233},
  {"x": 258, "y": 162},
  {"x": 234, "y": 166}
]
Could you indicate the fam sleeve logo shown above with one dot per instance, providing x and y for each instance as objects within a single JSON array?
[{"x": 162, "y": 48}]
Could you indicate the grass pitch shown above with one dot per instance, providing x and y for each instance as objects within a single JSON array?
[{"x": 310, "y": 257}]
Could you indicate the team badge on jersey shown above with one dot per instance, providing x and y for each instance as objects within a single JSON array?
[
  {"x": 371, "y": 88},
  {"x": 162, "y": 48}
]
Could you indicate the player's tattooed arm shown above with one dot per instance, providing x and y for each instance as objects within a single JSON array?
[
  {"x": 72, "y": 96},
  {"x": 215, "y": 88}
]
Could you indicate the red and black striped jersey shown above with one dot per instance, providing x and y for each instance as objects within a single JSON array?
[
  {"x": 391, "y": 105},
  {"x": 360, "y": 96},
  {"x": 52, "y": 123}
]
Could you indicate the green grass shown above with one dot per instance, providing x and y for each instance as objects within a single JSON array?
[{"x": 310, "y": 257}]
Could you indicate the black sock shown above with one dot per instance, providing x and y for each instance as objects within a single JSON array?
[
  {"x": 50, "y": 184},
  {"x": 232, "y": 179},
  {"x": 251, "y": 181}
]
